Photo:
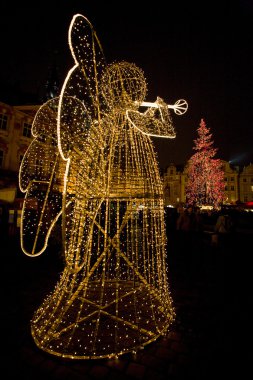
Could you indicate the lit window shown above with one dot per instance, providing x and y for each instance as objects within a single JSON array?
[
  {"x": 3, "y": 122},
  {"x": 27, "y": 130}
]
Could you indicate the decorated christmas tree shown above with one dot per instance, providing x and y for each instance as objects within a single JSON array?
[{"x": 205, "y": 184}]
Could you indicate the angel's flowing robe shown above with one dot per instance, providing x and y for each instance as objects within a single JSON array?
[{"x": 113, "y": 295}]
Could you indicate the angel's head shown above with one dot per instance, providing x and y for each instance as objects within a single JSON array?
[{"x": 123, "y": 85}]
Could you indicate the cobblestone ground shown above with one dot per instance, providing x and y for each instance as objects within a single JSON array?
[{"x": 210, "y": 337}]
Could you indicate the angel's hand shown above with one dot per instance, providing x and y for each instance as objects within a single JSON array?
[{"x": 155, "y": 121}]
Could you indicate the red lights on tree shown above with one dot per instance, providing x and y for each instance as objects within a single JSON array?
[{"x": 205, "y": 184}]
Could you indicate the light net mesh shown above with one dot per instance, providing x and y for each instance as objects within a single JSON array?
[{"x": 92, "y": 162}]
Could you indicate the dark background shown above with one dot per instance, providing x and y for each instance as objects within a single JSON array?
[{"x": 202, "y": 53}]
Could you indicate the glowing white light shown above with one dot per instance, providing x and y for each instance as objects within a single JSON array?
[{"x": 180, "y": 106}]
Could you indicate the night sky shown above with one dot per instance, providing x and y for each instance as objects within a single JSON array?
[{"x": 203, "y": 54}]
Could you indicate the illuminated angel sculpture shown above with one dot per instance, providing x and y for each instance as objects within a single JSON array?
[{"x": 93, "y": 164}]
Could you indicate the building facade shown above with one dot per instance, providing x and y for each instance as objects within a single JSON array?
[
  {"x": 238, "y": 184},
  {"x": 246, "y": 184},
  {"x": 15, "y": 137},
  {"x": 231, "y": 178}
]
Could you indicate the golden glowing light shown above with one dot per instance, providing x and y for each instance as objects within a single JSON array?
[{"x": 92, "y": 162}]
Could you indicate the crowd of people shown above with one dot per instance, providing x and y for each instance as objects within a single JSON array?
[
  {"x": 193, "y": 219},
  {"x": 192, "y": 228},
  {"x": 189, "y": 219}
]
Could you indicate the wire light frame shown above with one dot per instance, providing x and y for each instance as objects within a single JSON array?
[{"x": 93, "y": 163}]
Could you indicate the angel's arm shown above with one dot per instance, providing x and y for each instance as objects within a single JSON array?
[
  {"x": 156, "y": 120},
  {"x": 179, "y": 107}
]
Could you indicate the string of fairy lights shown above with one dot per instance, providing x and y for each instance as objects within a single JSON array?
[{"x": 92, "y": 162}]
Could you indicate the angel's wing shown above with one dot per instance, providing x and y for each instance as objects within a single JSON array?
[
  {"x": 41, "y": 178},
  {"x": 82, "y": 106},
  {"x": 81, "y": 100}
]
